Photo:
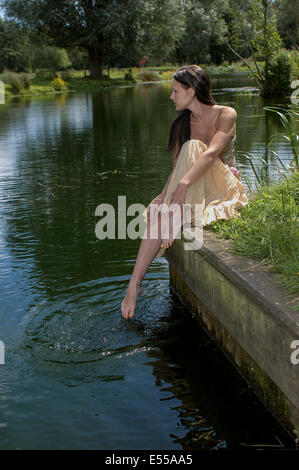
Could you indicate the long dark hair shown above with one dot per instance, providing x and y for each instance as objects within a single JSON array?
[{"x": 195, "y": 77}]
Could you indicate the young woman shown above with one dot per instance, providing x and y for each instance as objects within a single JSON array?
[{"x": 202, "y": 142}]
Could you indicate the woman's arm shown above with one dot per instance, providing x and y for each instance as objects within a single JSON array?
[
  {"x": 200, "y": 167},
  {"x": 217, "y": 144}
]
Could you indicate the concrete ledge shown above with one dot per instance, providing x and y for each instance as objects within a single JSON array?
[{"x": 246, "y": 313}]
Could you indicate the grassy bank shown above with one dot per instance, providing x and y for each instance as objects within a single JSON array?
[
  {"x": 74, "y": 80},
  {"x": 40, "y": 86},
  {"x": 41, "y": 82},
  {"x": 268, "y": 232}
]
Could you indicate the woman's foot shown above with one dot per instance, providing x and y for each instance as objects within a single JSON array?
[{"x": 129, "y": 303}]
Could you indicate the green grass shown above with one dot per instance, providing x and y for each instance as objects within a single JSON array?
[
  {"x": 40, "y": 87},
  {"x": 267, "y": 231},
  {"x": 78, "y": 82}
]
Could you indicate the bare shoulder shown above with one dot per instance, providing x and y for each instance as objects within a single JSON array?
[
  {"x": 226, "y": 120},
  {"x": 228, "y": 113}
]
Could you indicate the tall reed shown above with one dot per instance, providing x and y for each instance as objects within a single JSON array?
[
  {"x": 288, "y": 119},
  {"x": 260, "y": 167}
]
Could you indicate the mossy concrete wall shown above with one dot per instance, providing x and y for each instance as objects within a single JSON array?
[{"x": 243, "y": 308}]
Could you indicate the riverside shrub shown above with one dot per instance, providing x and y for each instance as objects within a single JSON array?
[
  {"x": 278, "y": 78},
  {"x": 15, "y": 82},
  {"x": 58, "y": 84},
  {"x": 148, "y": 76},
  {"x": 26, "y": 81}
]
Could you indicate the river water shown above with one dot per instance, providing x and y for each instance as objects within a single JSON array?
[{"x": 77, "y": 375}]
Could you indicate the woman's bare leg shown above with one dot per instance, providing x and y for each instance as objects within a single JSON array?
[{"x": 147, "y": 251}]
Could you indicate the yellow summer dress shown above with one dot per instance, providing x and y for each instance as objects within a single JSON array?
[{"x": 219, "y": 192}]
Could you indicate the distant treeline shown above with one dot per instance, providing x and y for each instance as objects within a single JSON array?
[{"x": 38, "y": 34}]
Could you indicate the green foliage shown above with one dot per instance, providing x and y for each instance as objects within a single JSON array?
[
  {"x": 15, "y": 50},
  {"x": 240, "y": 30},
  {"x": 128, "y": 76},
  {"x": 268, "y": 227},
  {"x": 45, "y": 74},
  {"x": 15, "y": 82},
  {"x": 67, "y": 74},
  {"x": 287, "y": 22},
  {"x": 102, "y": 29},
  {"x": 268, "y": 230},
  {"x": 58, "y": 84},
  {"x": 26, "y": 81},
  {"x": 289, "y": 120},
  {"x": 96, "y": 34},
  {"x": 275, "y": 77},
  {"x": 267, "y": 40},
  {"x": 278, "y": 77},
  {"x": 53, "y": 58},
  {"x": 294, "y": 58},
  {"x": 78, "y": 57},
  {"x": 202, "y": 35},
  {"x": 260, "y": 167},
  {"x": 148, "y": 76},
  {"x": 162, "y": 26}
]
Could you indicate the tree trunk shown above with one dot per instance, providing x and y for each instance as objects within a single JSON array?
[
  {"x": 95, "y": 64},
  {"x": 266, "y": 39}
]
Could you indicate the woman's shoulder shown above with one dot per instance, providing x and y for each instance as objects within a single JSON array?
[
  {"x": 226, "y": 116},
  {"x": 227, "y": 112}
]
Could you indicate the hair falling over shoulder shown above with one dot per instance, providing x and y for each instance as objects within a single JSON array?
[{"x": 197, "y": 78}]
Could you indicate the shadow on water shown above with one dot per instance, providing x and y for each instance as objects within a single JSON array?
[{"x": 218, "y": 410}]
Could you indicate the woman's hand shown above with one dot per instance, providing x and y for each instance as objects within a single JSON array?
[
  {"x": 179, "y": 195},
  {"x": 235, "y": 172},
  {"x": 159, "y": 199}
]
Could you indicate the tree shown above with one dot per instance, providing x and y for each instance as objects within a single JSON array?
[
  {"x": 162, "y": 26},
  {"x": 265, "y": 43},
  {"x": 267, "y": 40},
  {"x": 239, "y": 28},
  {"x": 78, "y": 58},
  {"x": 15, "y": 50},
  {"x": 98, "y": 26},
  {"x": 50, "y": 57},
  {"x": 287, "y": 12},
  {"x": 108, "y": 30},
  {"x": 201, "y": 41}
]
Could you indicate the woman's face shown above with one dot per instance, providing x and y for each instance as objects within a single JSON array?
[{"x": 181, "y": 96}]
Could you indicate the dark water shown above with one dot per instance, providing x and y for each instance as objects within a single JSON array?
[{"x": 77, "y": 375}]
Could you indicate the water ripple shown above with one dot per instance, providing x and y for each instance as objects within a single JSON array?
[{"x": 84, "y": 323}]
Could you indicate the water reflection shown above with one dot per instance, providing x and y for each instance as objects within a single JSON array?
[{"x": 76, "y": 348}]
